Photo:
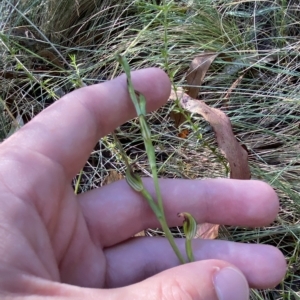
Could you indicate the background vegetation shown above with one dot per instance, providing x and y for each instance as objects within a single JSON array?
[{"x": 51, "y": 47}]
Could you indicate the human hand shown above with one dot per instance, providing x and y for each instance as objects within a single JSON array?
[{"x": 55, "y": 243}]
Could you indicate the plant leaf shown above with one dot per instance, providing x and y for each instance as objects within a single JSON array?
[
  {"x": 235, "y": 154},
  {"x": 196, "y": 73},
  {"x": 112, "y": 176},
  {"x": 178, "y": 117},
  {"x": 195, "y": 76},
  {"x": 183, "y": 133},
  {"x": 207, "y": 231}
]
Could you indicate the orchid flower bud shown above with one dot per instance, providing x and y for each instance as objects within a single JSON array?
[{"x": 134, "y": 180}]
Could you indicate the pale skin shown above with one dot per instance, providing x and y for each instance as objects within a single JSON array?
[{"x": 65, "y": 246}]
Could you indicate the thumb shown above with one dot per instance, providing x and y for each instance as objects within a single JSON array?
[
  {"x": 202, "y": 280},
  {"x": 209, "y": 280}
]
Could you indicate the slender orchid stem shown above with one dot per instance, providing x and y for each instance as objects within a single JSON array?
[{"x": 134, "y": 180}]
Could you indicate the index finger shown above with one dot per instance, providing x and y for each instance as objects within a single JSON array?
[{"x": 67, "y": 131}]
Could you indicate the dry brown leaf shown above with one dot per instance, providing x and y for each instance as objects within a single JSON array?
[
  {"x": 197, "y": 71},
  {"x": 178, "y": 117},
  {"x": 195, "y": 76},
  {"x": 184, "y": 133},
  {"x": 141, "y": 233},
  {"x": 207, "y": 231},
  {"x": 112, "y": 176},
  {"x": 235, "y": 154}
]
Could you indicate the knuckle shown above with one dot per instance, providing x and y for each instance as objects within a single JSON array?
[{"x": 173, "y": 289}]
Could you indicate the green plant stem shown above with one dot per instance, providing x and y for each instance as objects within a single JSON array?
[
  {"x": 139, "y": 102},
  {"x": 161, "y": 218},
  {"x": 190, "y": 230},
  {"x": 78, "y": 182},
  {"x": 189, "y": 250},
  {"x": 136, "y": 183}
]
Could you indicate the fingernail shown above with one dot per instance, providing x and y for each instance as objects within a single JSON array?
[{"x": 230, "y": 284}]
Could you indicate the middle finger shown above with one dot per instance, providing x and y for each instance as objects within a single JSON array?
[{"x": 115, "y": 212}]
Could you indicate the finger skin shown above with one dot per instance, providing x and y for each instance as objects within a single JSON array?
[
  {"x": 36, "y": 168},
  {"x": 219, "y": 201},
  {"x": 263, "y": 266},
  {"x": 67, "y": 131},
  {"x": 191, "y": 281}
]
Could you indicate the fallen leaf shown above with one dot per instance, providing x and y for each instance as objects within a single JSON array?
[
  {"x": 178, "y": 117},
  {"x": 195, "y": 76},
  {"x": 196, "y": 73},
  {"x": 112, "y": 176},
  {"x": 207, "y": 231},
  {"x": 235, "y": 154},
  {"x": 183, "y": 133},
  {"x": 141, "y": 233}
]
